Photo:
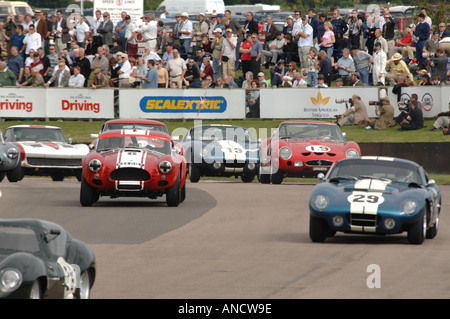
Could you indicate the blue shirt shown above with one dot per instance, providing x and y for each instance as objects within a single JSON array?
[
  {"x": 17, "y": 40},
  {"x": 15, "y": 64},
  {"x": 123, "y": 30},
  {"x": 152, "y": 76}
]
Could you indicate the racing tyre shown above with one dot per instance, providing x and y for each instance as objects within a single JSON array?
[
  {"x": 84, "y": 292},
  {"x": 183, "y": 192},
  {"x": 57, "y": 177},
  {"x": 432, "y": 231},
  {"x": 36, "y": 290},
  {"x": 88, "y": 194},
  {"x": 15, "y": 174},
  {"x": 194, "y": 173},
  {"x": 417, "y": 232},
  {"x": 318, "y": 229},
  {"x": 2, "y": 176},
  {"x": 277, "y": 177},
  {"x": 263, "y": 176},
  {"x": 173, "y": 196},
  {"x": 247, "y": 178}
]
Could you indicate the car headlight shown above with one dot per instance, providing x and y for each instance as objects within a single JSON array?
[
  {"x": 95, "y": 165},
  {"x": 13, "y": 153},
  {"x": 165, "y": 167},
  {"x": 10, "y": 280},
  {"x": 351, "y": 153},
  {"x": 321, "y": 202},
  {"x": 285, "y": 153},
  {"x": 409, "y": 207}
]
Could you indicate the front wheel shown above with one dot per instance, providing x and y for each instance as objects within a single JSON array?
[
  {"x": 15, "y": 174},
  {"x": 173, "y": 196},
  {"x": 417, "y": 232},
  {"x": 36, "y": 290},
  {"x": 194, "y": 173},
  {"x": 247, "y": 178},
  {"x": 318, "y": 229},
  {"x": 84, "y": 292},
  {"x": 88, "y": 194}
]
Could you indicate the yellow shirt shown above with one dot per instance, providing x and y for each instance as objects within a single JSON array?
[{"x": 399, "y": 69}]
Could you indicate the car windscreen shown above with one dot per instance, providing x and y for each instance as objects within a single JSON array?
[
  {"x": 394, "y": 171},
  {"x": 35, "y": 134},
  {"x": 211, "y": 133},
  {"x": 310, "y": 130},
  {"x": 18, "y": 239},
  {"x": 136, "y": 126},
  {"x": 134, "y": 141}
]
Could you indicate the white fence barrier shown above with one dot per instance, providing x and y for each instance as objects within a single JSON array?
[{"x": 286, "y": 103}]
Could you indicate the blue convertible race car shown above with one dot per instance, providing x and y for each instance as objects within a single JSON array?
[
  {"x": 221, "y": 150},
  {"x": 375, "y": 195}
]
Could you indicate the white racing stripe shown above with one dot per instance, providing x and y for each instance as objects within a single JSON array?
[{"x": 365, "y": 199}]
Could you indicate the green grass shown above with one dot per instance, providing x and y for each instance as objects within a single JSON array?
[{"x": 80, "y": 131}]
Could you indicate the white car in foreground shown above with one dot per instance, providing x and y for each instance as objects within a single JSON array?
[{"x": 44, "y": 151}]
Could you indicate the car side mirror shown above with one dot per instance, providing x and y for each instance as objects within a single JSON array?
[
  {"x": 321, "y": 176},
  {"x": 70, "y": 140},
  {"x": 431, "y": 182}
]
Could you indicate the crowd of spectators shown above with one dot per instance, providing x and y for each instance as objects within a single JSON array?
[{"x": 309, "y": 51}]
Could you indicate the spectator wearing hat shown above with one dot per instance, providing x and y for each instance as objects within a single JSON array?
[
  {"x": 168, "y": 55},
  {"x": 124, "y": 72},
  {"x": 105, "y": 29},
  {"x": 99, "y": 80},
  {"x": 385, "y": 113},
  {"x": 398, "y": 68},
  {"x": 130, "y": 37},
  {"x": 228, "y": 55},
  {"x": 185, "y": 33},
  {"x": 287, "y": 29},
  {"x": 422, "y": 34},
  {"x": 121, "y": 29},
  {"x": 216, "y": 46},
  {"x": 275, "y": 49},
  {"x": 303, "y": 33},
  {"x": 200, "y": 28},
  {"x": 40, "y": 25},
  {"x": 379, "y": 65},
  {"x": 220, "y": 22},
  {"x": 443, "y": 32},
  {"x": 339, "y": 82}
]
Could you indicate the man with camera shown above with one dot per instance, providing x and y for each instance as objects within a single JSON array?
[
  {"x": 354, "y": 28},
  {"x": 439, "y": 64},
  {"x": 355, "y": 115},
  {"x": 385, "y": 112},
  {"x": 414, "y": 118}
]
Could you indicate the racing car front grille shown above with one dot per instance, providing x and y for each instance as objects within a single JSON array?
[
  {"x": 366, "y": 220},
  {"x": 129, "y": 174},
  {"x": 234, "y": 164},
  {"x": 36, "y": 161},
  {"x": 319, "y": 163},
  {"x": 316, "y": 153}
]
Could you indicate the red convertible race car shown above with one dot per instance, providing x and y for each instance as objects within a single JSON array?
[
  {"x": 303, "y": 148},
  {"x": 134, "y": 163}
]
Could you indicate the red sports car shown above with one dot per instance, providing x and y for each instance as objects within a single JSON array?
[
  {"x": 134, "y": 163},
  {"x": 303, "y": 148}
]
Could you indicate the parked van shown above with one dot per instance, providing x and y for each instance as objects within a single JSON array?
[
  {"x": 192, "y": 7},
  {"x": 14, "y": 7}
]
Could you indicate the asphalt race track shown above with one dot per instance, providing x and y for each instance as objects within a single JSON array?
[{"x": 232, "y": 240}]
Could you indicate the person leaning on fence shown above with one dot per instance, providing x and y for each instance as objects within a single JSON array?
[
  {"x": 35, "y": 80},
  {"x": 61, "y": 76},
  {"x": 99, "y": 80}
]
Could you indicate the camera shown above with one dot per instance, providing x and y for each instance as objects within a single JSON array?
[
  {"x": 375, "y": 103},
  {"x": 404, "y": 105},
  {"x": 340, "y": 101},
  {"x": 428, "y": 55}
]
